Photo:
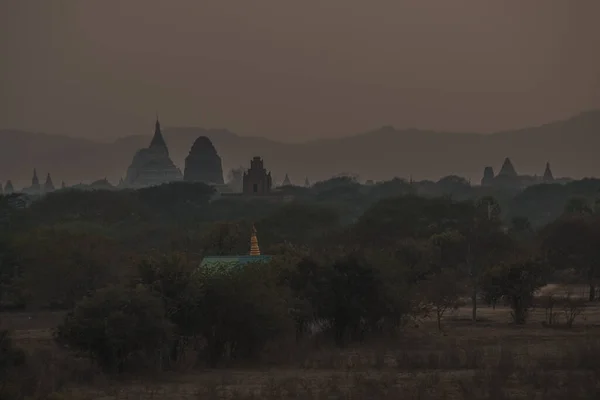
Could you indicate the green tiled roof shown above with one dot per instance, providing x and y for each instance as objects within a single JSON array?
[{"x": 232, "y": 260}]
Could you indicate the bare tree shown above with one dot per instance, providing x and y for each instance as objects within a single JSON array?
[
  {"x": 444, "y": 292},
  {"x": 572, "y": 308}
]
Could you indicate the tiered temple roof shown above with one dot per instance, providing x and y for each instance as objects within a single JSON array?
[
  {"x": 508, "y": 169},
  {"x": 548, "y": 177},
  {"x": 256, "y": 180},
  {"x": 509, "y": 178},
  {"x": 48, "y": 186},
  {"x": 286, "y": 181},
  {"x": 152, "y": 166}
]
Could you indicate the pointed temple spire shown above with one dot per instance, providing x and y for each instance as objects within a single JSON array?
[
  {"x": 306, "y": 182},
  {"x": 507, "y": 168},
  {"x": 286, "y": 181},
  {"x": 35, "y": 181},
  {"x": 48, "y": 186},
  {"x": 548, "y": 177},
  {"x": 157, "y": 140},
  {"x": 488, "y": 176},
  {"x": 254, "y": 249}
]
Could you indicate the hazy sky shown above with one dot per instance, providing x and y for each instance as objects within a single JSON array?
[{"x": 295, "y": 69}]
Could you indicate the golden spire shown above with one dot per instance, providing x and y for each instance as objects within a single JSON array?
[{"x": 254, "y": 249}]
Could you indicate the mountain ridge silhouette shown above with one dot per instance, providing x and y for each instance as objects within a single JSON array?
[{"x": 382, "y": 153}]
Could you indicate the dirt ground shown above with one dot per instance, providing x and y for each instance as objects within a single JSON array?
[{"x": 492, "y": 359}]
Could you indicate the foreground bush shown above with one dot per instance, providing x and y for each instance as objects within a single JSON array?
[
  {"x": 39, "y": 373},
  {"x": 233, "y": 311},
  {"x": 240, "y": 310},
  {"x": 517, "y": 281},
  {"x": 12, "y": 361},
  {"x": 350, "y": 295},
  {"x": 115, "y": 324}
]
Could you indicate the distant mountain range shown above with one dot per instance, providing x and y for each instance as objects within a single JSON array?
[{"x": 571, "y": 146}]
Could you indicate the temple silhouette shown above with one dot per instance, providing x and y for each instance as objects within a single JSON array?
[
  {"x": 508, "y": 177},
  {"x": 152, "y": 166}
]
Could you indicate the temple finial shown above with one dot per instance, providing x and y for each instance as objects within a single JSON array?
[
  {"x": 157, "y": 140},
  {"x": 254, "y": 249},
  {"x": 548, "y": 177},
  {"x": 34, "y": 180}
]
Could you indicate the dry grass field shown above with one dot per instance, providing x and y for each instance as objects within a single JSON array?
[{"x": 492, "y": 359}]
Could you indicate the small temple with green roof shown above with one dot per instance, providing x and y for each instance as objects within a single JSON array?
[{"x": 234, "y": 261}]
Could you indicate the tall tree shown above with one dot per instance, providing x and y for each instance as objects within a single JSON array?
[
  {"x": 574, "y": 242},
  {"x": 486, "y": 243},
  {"x": 518, "y": 281},
  {"x": 443, "y": 291}
]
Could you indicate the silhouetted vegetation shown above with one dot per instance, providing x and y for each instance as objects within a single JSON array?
[{"x": 353, "y": 265}]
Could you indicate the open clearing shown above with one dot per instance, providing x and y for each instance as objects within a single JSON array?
[{"x": 493, "y": 359}]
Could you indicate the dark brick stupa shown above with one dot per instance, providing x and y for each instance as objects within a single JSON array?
[
  {"x": 203, "y": 163},
  {"x": 488, "y": 176}
]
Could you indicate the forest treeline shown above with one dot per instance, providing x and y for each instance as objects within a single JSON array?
[{"x": 354, "y": 261}]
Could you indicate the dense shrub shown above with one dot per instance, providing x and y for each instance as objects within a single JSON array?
[
  {"x": 239, "y": 310},
  {"x": 235, "y": 311},
  {"x": 115, "y": 324},
  {"x": 12, "y": 363},
  {"x": 518, "y": 281}
]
